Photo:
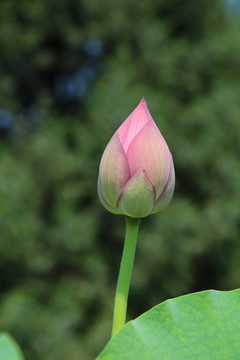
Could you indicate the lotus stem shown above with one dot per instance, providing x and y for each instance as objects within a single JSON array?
[{"x": 125, "y": 274}]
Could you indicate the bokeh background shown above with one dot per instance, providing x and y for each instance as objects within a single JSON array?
[{"x": 71, "y": 71}]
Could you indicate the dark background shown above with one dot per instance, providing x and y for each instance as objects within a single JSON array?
[{"x": 71, "y": 72}]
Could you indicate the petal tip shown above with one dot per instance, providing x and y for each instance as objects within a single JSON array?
[
  {"x": 143, "y": 101},
  {"x": 143, "y": 105}
]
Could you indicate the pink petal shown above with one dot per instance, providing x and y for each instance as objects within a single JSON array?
[
  {"x": 149, "y": 151},
  {"x": 114, "y": 171},
  {"x": 133, "y": 124},
  {"x": 138, "y": 196},
  {"x": 167, "y": 194}
]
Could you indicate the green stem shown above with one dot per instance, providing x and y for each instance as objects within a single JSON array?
[{"x": 125, "y": 273}]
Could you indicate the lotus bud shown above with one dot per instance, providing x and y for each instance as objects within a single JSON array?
[{"x": 136, "y": 175}]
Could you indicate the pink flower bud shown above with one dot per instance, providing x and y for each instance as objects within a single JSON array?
[{"x": 136, "y": 175}]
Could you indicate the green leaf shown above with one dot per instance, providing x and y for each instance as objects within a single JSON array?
[
  {"x": 200, "y": 326},
  {"x": 9, "y": 350}
]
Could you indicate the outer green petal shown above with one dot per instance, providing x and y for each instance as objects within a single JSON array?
[
  {"x": 114, "y": 171},
  {"x": 105, "y": 203},
  {"x": 138, "y": 196},
  {"x": 167, "y": 193}
]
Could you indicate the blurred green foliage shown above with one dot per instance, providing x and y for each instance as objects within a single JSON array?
[{"x": 71, "y": 72}]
